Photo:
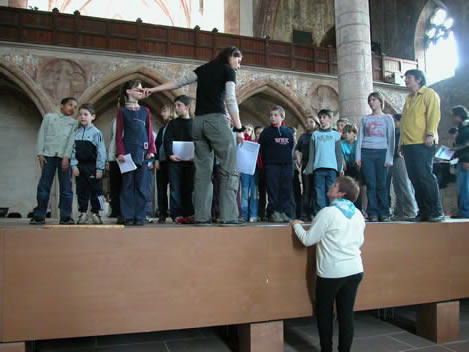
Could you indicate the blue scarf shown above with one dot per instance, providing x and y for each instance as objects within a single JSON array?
[{"x": 345, "y": 206}]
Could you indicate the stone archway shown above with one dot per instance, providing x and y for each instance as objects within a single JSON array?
[
  {"x": 278, "y": 92},
  {"x": 95, "y": 92},
  {"x": 28, "y": 86}
]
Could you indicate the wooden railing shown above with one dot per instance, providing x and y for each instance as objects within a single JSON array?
[{"x": 54, "y": 28}]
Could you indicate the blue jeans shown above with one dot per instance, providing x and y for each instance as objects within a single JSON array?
[
  {"x": 375, "y": 176},
  {"x": 323, "y": 180},
  {"x": 463, "y": 190},
  {"x": 133, "y": 197},
  {"x": 45, "y": 182},
  {"x": 419, "y": 163},
  {"x": 248, "y": 196}
]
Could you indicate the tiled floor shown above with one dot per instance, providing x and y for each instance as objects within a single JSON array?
[{"x": 371, "y": 335}]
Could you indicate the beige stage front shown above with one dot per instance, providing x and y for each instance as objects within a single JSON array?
[{"x": 69, "y": 282}]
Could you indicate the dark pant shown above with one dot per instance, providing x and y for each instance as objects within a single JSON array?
[
  {"x": 375, "y": 176},
  {"x": 162, "y": 182},
  {"x": 262, "y": 194},
  {"x": 353, "y": 172},
  {"x": 181, "y": 185},
  {"x": 308, "y": 192},
  {"x": 89, "y": 189},
  {"x": 134, "y": 194},
  {"x": 45, "y": 182},
  {"x": 115, "y": 180},
  {"x": 419, "y": 163},
  {"x": 279, "y": 187},
  {"x": 343, "y": 291},
  {"x": 296, "y": 204},
  {"x": 323, "y": 180}
]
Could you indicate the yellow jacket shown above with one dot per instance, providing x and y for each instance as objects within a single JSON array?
[{"x": 421, "y": 116}]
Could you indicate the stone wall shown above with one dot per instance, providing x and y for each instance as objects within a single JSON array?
[{"x": 310, "y": 16}]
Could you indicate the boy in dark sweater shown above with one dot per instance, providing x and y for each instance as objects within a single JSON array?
[
  {"x": 276, "y": 147},
  {"x": 181, "y": 173}
]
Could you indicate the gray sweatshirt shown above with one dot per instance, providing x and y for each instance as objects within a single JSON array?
[
  {"x": 55, "y": 138},
  {"x": 376, "y": 132}
]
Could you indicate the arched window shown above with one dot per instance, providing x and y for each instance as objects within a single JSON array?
[{"x": 441, "y": 57}]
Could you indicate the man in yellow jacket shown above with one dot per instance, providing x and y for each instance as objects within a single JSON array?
[{"x": 419, "y": 135}]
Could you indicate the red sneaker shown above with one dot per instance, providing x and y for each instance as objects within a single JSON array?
[
  {"x": 189, "y": 220},
  {"x": 179, "y": 220}
]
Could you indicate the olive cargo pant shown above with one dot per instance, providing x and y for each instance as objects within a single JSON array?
[{"x": 213, "y": 137}]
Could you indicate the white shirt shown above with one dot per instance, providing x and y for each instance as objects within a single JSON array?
[{"x": 338, "y": 242}]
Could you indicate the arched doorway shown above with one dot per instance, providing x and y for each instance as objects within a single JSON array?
[{"x": 20, "y": 119}]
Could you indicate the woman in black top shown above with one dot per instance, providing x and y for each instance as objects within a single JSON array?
[{"x": 216, "y": 86}]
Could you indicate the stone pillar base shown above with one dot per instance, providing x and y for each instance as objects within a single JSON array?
[
  {"x": 261, "y": 337},
  {"x": 438, "y": 322}
]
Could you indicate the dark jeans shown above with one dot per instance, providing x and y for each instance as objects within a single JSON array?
[
  {"x": 134, "y": 194},
  {"x": 375, "y": 176},
  {"x": 323, "y": 180},
  {"x": 463, "y": 190},
  {"x": 262, "y": 193},
  {"x": 353, "y": 172},
  {"x": 89, "y": 189},
  {"x": 343, "y": 291},
  {"x": 308, "y": 193},
  {"x": 181, "y": 185},
  {"x": 419, "y": 163},
  {"x": 162, "y": 182},
  {"x": 45, "y": 182},
  {"x": 296, "y": 206},
  {"x": 279, "y": 187},
  {"x": 115, "y": 182}
]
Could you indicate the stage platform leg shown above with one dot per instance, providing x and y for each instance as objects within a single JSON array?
[
  {"x": 261, "y": 337},
  {"x": 13, "y": 347},
  {"x": 438, "y": 322}
]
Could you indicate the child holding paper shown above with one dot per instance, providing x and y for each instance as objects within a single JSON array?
[
  {"x": 248, "y": 186},
  {"x": 181, "y": 172},
  {"x": 134, "y": 136}
]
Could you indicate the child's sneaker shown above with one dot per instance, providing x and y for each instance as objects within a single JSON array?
[
  {"x": 179, "y": 220},
  {"x": 253, "y": 219},
  {"x": 82, "y": 219},
  {"x": 66, "y": 220},
  {"x": 276, "y": 217},
  {"x": 37, "y": 220},
  {"x": 189, "y": 220},
  {"x": 96, "y": 219}
]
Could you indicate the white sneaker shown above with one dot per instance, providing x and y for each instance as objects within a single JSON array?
[
  {"x": 254, "y": 219},
  {"x": 96, "y": 219},
  {"x": 82, "y": 219}
]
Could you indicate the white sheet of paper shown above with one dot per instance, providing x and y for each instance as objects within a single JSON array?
[
  {"x": 246, "y": 154},
  {"x": 444, "y": 153},
  {"x": 183, "y": 150},
  {"x": 127, "y": 165},
  {"x": 454, "y": 161}
]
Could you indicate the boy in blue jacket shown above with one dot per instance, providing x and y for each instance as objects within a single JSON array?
[
  {"x": 276, "y": 148},
  {"x": 325, "y": 158}
]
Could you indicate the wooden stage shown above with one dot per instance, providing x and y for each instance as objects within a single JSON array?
[{"x": 58, "y": 282}]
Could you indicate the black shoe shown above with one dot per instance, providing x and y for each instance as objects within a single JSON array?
[
  {"x": 162, "y": 220},
  {"x": 385, "y": 218},
  {"x": 37, "y": 220},
  {"x": 437, "y": 218},
  {"x": 139, "y": 222},
  {"x": 232, "y": 223},
  {"x": 419, "y": 218},
  {"x": 120, "y": 220},
  {"x": 66, "y": 220},
  {"x": 459, "y": 217},
  {"x": 373, "y": 218},
  {"x": 203, "y": 223},
  {"x": 129, "y": 222}
]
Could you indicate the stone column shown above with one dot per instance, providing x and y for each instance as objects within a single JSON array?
[{"x": 352, "y": 23}]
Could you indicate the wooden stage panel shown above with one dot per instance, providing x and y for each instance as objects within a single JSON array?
[{"x": 97, "y": 281}]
